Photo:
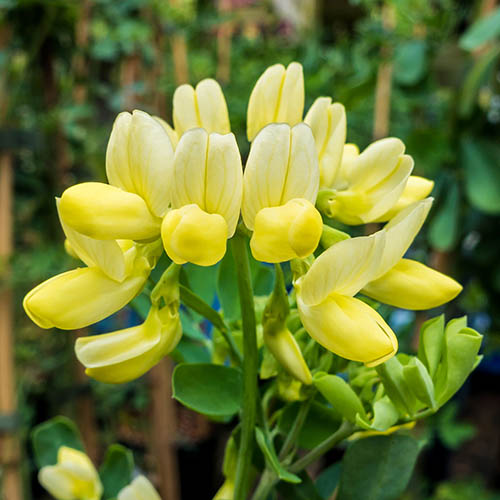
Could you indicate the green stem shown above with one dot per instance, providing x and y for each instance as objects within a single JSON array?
[
  {"x": 250, "y": 366},
  {"x": 345, "y": 430},
  {"x": 198, "y": 305},
  {"x": 266, "y": 484},
  {"x": 291, "y": 438}
]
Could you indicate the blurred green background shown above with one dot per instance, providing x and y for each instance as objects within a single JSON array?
[{"x": 427, "y": 71}]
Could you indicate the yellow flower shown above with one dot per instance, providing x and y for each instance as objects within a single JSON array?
[
  {"x": 125, "y": 355},
  {"x": 73, "y": 477},
  {"x": 279, "y": 191},
  {"x": 369, "y": 184},
  {"x": 203, "y": 107},
  {"x": 329, "y": 127},
  {"x": 278, "y": 97},
  {"x": 116, "y": 273},
  {"x": 206, "y": 198},
  {"x": 172, "y": 134},
  {"x": 139, "y": 163},
  {"x": 325, "y": 294},
  {"x": 139, "y": 489}
]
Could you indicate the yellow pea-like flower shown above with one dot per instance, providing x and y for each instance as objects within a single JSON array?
[
  {"x": 413, "y": 285},
  {"x": 172, "y": 134},
  {"x": 329, "y": 127},
  {"x": 325, "y": 293},
  {"x": 125, "y": 355},
  {"x": 203, "y": 107},
  {"x": 206, "y": 198},
  {"x": 278, "y": 97},
  {"x": 73, "y": 477},
  {"x": 280, "y": 186},
  {"x": 106, "y": 212},
  {"x": 139, "y": 489},
  {"x": 369, "y": 184}
]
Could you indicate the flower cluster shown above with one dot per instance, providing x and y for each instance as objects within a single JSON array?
[{"x": 181, "y": 190}]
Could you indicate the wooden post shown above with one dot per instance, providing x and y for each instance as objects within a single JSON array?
[
  {"x": 164, "y": 430},
  {"x": 80, "y": 70},
  {"x": 179, "y": 53},
  {"x": 9, "y": 444},
  {"x": 224, "y": 34}
]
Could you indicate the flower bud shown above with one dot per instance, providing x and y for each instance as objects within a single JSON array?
[
  {"x": 278, "y": 97},
  {"x": 72, "y": 477},
  {"x": 204, "y": 107},
  {"x": 412, "y": 285},
  {"x": 78, "y": 298},
  {"x": 328, "y": 124},
  {"x": 286, "y": 232},
  {"x": 190, "y": 234},
  {"x": 107, "y": 212},
  {"x": 419, "y": 381},
  {"x": 124, "y": 355},
  {"x": 431, "y": 344},
  {"x": 139, "y": 489}
]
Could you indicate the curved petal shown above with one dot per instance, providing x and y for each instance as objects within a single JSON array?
[
  {"x": 185, "y": 110},
  {"x": 329, "y": 126},
  {"x": 106, "y": 212},
  {"x": 105, "y": 254},
  {"x": 125, "y": 355},
  {"x": 291, "y": 99},
  {"x": 212, "y": 107},
  {"x": 224, "y": 179},
  {"x": 139, "y": 489},
  {"x": 412, "y": 285},
  {"x": 172, "y": 134},
  {"x": 344, "y": 268},
  {"x": 78, "y": 298},
  {"x": 400, "y": 233},
  {"x": 57, "y": 482},
  {"x": 151, "y": 157},
  {"x": 350, "y": 328}
]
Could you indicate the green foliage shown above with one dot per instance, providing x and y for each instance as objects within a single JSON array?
[
  {"x": 482, "y": 31},
  {"x": 377, "y": 468},
  {"x": 116, "y": 470},
  {"x": 48, "y": 437},
  {"x": 209, "y": 389}
]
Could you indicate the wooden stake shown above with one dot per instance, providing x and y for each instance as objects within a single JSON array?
[
  {"x": 224, "y": 35},
  {"x": 179, "y": 53},
  {"x": 164, "y": 430},
  {"x": 9, "y": 444}
]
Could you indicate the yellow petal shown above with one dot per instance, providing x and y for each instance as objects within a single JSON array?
[
  {"x": 350, "y": 328},
  {"x": 139, "y": 153},
  {"x": 278, "y": 96},
  {"x": 285, "y": 349},
  {"x": 125, "y": 355},
  {"x": 400, "y": 233},
  {"x": 78, "y": 298},
  {"x": 286, "y": 232},
  {"x": 190, "y": 234},
  {"x": 282, "y": 165},
  {"x": 57, "y": 482},
  {"x": 139, "y": 489},
  {"x": 344, "y": 268},
  {"x": 105, "y": 254},
  {"x": 412, "y": 285},
  {"x": 328, "y": 124},
  {"x": 204, "y": 107},
  {"x": 417, "y": 188},
  {"x": 172, "y": 134},
  {"x": 106, "y": 212}
]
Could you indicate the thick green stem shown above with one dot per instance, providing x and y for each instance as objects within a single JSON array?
[
  {"x": 250, "y": 366},
  {"x": 266, "y": 484},
  {"x": 198, "y": 305},
  {"x": 293, "y": 435},
  {"x": 344, "y": 431}
]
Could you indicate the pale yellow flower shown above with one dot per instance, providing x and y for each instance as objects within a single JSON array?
[{"x": 139, "y": 489}]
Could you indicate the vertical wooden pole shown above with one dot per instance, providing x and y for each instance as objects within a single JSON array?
[
  {"x": 9, "y": 444},
  {"x": 224, "y": 35},
  {"x": 164, "y": 430},
  {"x": 80, "y": 69},
  {"x": 179, "y": 53}
]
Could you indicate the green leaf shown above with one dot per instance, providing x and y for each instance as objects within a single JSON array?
[
  {"x": 377, "y": 468},
  {"x": 306, "y": 490},
  {"x": 190, "y": 351},
  {"x": 202, "y": 280},
  {"x": 48, "y": 437},
  {"x": 227, "y": 286},
  {"x": 116, "y": 470},
  {"x": 482, "y": 31},
  {"x": 410, "y": 62},
  {"x": 443, "y": 229},
  {"x": 209, "y": 389},
  {"x": 419, "y": 381},
  {"x": 328, "y": 480},
  {"x": 385, "y": 415},
  {"x": 272, "y": 460},
  {"x": 431, "y": 343},
  {"x": 481, "y": 162}
]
